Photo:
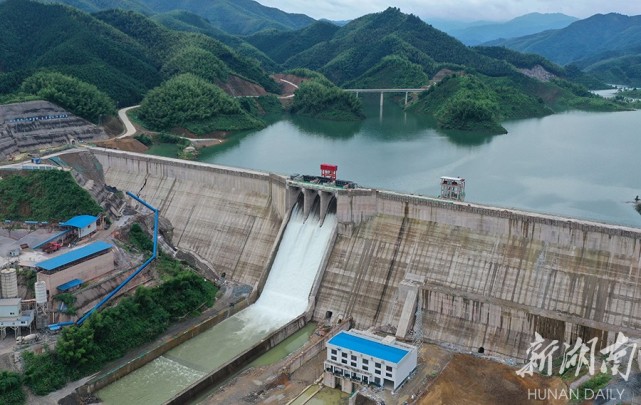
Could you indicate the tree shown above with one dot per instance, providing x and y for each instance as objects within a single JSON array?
[
  {"x": 76, "y": 346},
  {"x": 83, "y": 99},
  {"x": 11, "y": 392}
]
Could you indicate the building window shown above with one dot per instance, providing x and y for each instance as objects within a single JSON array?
[
  {"x": 377, "y": 365},
  {"x": 333, "y": 351},
  {"x": 353, "y": 364},
  {"x": 377, "y": 372},
  {"x": 388, "y": 368},
  {"x": 365, "y": 368},
  {"x": 344, "y": 355},
  {"x": 333, "y": 358},
  {"x": 388, "y": 374},
  {"x": 344, "y": 361},
  {"x": 365, "y": 361},
  {"x": 353, "y": 357}
]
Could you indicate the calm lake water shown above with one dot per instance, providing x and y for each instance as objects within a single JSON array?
[{"x": 576, "y": 164}]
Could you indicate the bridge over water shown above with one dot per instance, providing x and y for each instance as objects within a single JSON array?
[{"x": 407, "y": 91}]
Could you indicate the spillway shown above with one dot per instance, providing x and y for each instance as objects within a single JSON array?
[{"x": 284, "y": 297}]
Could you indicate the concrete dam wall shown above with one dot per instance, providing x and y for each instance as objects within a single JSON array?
[
  {"x": 481, "y": 276},
  {"x": 227, "y": 217}
]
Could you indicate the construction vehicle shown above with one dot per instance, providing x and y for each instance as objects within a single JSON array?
[{"x": 51, "y": 247}]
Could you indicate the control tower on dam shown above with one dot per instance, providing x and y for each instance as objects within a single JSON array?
[{"x": 482, "y": 277}]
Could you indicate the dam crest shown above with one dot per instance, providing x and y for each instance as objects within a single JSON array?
[{"x": 481, "y": 276}]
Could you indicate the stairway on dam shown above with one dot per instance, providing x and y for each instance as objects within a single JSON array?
[{"x": 284, "y": 298}]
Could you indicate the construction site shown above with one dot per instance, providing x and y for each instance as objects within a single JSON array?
[{"x": 410, "y": 298}]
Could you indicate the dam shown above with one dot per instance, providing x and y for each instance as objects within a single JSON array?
[{"x": 483, "y": 277}]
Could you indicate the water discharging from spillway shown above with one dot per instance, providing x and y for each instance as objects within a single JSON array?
[{"x": 285, "y": 296}]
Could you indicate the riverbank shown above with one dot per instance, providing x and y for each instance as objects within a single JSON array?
[{"x": 229, "y": 301}]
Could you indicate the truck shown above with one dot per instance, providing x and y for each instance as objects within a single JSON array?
[
  {"x": 51, "y": 247},
  {"x": 27, "y": 339}
]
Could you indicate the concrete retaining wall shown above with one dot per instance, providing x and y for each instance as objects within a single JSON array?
[
  {"x": 237, "y": 363},
  {"x": 108, "y": 377},
  {"x": 310, "y": 352}
]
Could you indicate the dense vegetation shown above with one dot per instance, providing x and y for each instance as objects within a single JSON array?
[
  {"x": 81, "y": 98},
  {"x": 474, "y": 102},
  {"x": 319, "y": 98},
  {"x": 181, "y": 20},
  {"x": 164, "y": 44},
  {"x": 50, "y": 195},
  {"x": 238, "y": 17},
  {"x": 123, "y": 54},
  {"x": 346, "y": 54},
  {"x": 282, "y": 45},
  {"x": 463, "y": 103},
  {"x": 632, "y": 93},
  {"x": 193, "y": 103},
  {"x": 608, "y": 46},
  {"x": 392, "y": 72},
  {"x": 108, "y": 335},
  {"x": 11, "y": 392},
  {"x": 68, "y": 41}
]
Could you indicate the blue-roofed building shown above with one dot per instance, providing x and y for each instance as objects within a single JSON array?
[
  {"x": 83, "y": 264},
  {"x": 358, "y": 358},
  {"x": 83, "y": 225}
]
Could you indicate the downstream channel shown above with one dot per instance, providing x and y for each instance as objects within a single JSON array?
[{"x": 285, "y": 297}]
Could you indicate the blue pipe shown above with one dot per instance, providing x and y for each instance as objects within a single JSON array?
[
  {"x": 58, "y": 326},
  {"x": 135, "y": 273}
]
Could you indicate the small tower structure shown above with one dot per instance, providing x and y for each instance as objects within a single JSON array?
[
  {"x": 453, "y": 188},
  {"x": 328, "y": 170}
]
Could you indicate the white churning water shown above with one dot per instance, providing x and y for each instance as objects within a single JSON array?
[{"x": 285, "y": 297}]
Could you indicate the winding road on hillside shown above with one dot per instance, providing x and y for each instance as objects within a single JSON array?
[{"x": 130, "y": 130}]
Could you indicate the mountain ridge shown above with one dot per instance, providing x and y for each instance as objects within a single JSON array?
[{"x": 526, "y": 24}]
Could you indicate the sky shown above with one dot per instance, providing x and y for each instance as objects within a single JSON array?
[{"x": 456, "y": 10}]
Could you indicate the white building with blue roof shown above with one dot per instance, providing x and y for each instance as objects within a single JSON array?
[
  {"x": 75, "y": 267},
  {"x": 83, "y": 225},
  {"x": 355, "y": 357}
]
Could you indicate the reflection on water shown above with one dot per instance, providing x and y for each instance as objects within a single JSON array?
[{"x": 574, "y": 164}]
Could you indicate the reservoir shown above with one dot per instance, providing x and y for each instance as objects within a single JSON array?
[{"x": 577, "y": 164}]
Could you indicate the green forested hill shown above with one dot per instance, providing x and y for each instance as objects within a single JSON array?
[
  {"x": 282, "y": 45},
  {"x": 181, "y": 20},
  {"x": 122, "y": 53},
  {"x": 360, "y": 45},
  {"x": 607, "y": 45},
  {"x": 36, "y": 36},
  {"x": 165, "y": 45},
  {"x": 238, "y": 17}
]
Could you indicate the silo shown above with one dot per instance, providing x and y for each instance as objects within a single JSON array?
[
  {"x": 41, "y": 292},
  {"x": 9, "y": 281}
]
